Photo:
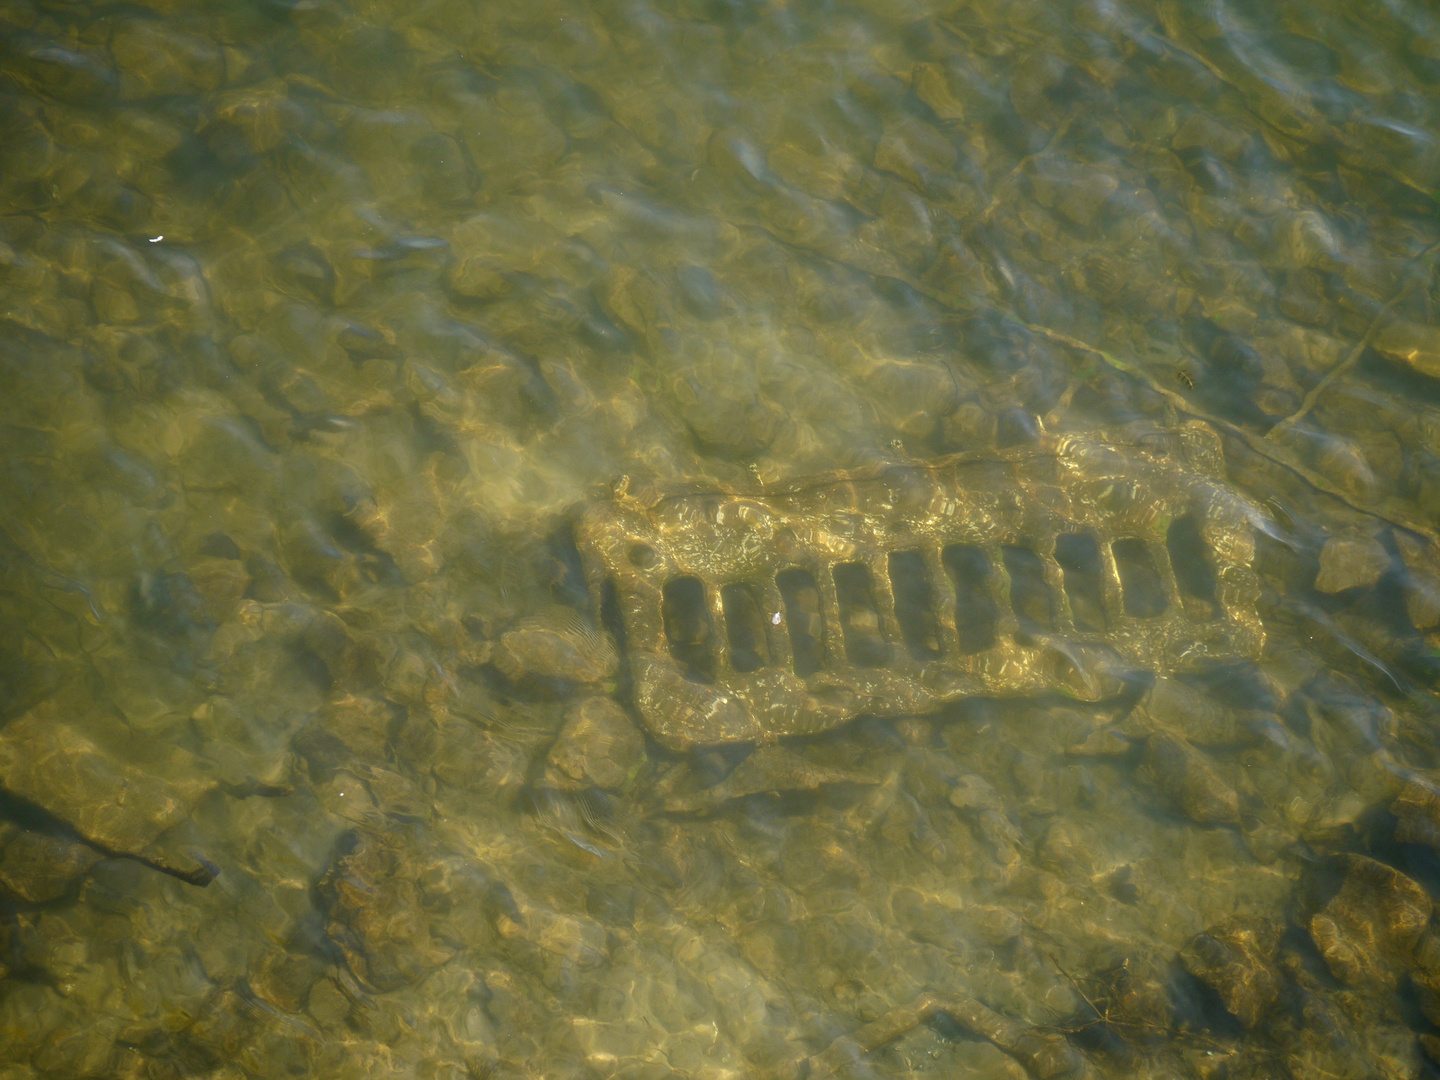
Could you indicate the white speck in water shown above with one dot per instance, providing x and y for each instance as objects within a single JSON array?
[
  {"x": 775, "y": 619},
  {"x": 157, "y": 239}
]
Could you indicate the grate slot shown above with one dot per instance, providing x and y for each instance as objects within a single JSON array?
[
  {"x": 746, "y": 627},
  {"x": 865, "y": 645},
  {"x": 1079, "y": 557},
  {"x": 688, "y": 628},
  {"x": 976, "y": 614},
  {"x": 1031, "y": 598},
  {"x": 1140, "y": 581},
  {"x": 915, "y": 604},
  {"x": 1190, "y": 556},
  {"x": 804, "y": 618}
]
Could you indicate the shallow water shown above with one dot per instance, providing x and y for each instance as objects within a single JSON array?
[{"x": 322, "y": 325}]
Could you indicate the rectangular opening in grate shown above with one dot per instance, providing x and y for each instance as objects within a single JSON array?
[
  {"x": 688, "y": 629},
  {"x": 865, "y": 645},
  {"x": 746, "y": 626},
  {"x": 1139, "y": 580},
  {"x": 915, "y": 605},
  {"x": 1079, "y": 556},
  {"x": 802, "y": 615},
  {"x": 970, "y": 572},
  {"x": 1190, "y": 556},
  {"x": 1030, "y": 595}
]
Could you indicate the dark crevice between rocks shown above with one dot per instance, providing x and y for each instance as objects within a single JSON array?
[
  {"x": 170, "y": 605},
  {"x": 1197, "y": 1007},
  {"x": 567, "y": 585},
  {"x": 1376, "y": 838},
  {"x": 944, "y": 1025},
  {"x": 613, "y": 623},
  {"x": 1395, "y": 378}
]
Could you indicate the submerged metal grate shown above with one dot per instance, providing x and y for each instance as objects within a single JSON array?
[{"x": 893, "y": 589}]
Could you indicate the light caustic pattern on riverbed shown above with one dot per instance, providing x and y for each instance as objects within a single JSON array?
[{"x": 322, "y": 324}]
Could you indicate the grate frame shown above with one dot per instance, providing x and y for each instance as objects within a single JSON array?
[{"x": 1128, "y": 489}]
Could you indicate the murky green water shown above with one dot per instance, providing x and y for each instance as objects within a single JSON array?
[{"x": 322, "y": 325}]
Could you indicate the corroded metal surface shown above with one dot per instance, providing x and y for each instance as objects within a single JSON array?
[{"x": 889, "y": 590}]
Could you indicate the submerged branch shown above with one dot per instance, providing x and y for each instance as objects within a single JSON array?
[{"x": 1354, "y": 357}]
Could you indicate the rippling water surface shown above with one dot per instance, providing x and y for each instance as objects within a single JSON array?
[{"x": 325, "y": 752}]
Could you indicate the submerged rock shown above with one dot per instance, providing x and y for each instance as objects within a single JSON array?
[
  {"x": 555, "y": 643},
  {"x": 1417, "y": 813},
  {"x": 283, "y": 979},
  {"x": 1415, "y": 345},
  {"x": 1425, "y": 976},
  {"x": 154, "y": 59},
  {"x": 770, "y": 770},
  {"x": 912, "y": 397},
  {"x": 721, "y": 400},
  {"x": 1236, "y": 959},
  {"x": 1346, "y": 465},
  {"x": 36, "y": 867},
  {"x": 1189, "y": 781},
  {"x": 1422, "y": 582},
  {"x": 1350, "y": 562},
  {"x": 1368, "y": 931},
  {"x": 113, "y": 803},
  {"x": 374, "y": 912},
  {"x": 985, "y": 810},
  {"x": 1043, "y": 1054},
  {"x": 599, "y": 746},
  {"x": 1172, "y": 707}
]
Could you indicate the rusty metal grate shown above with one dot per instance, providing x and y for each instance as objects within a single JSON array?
[{"x": 788, "y": 611}]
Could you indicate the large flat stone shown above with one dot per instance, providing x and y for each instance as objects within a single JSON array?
[{"x": 111, "y": 800}]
